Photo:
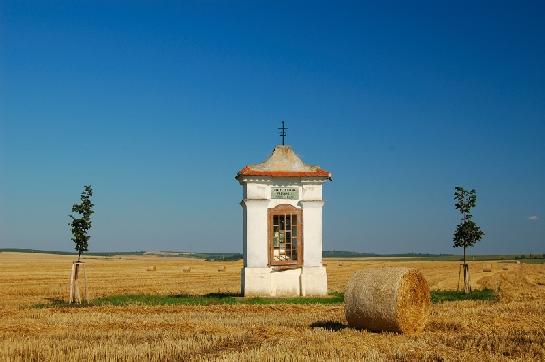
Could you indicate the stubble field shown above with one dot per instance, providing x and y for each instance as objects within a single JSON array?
[{"x": 512, "y": 327}]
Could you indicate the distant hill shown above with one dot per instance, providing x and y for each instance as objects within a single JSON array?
[
  {"x": 345, "y": 254},
  {"x": 56, "y": 252},
  {"x": 354, "y": 254},
  {"x": 529, "y": 258},
  {"x": 215, "y": 256},
  {"x": 205, "y": 256}
]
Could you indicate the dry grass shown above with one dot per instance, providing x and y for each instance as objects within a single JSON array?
[{"x": 511, "y": 328}]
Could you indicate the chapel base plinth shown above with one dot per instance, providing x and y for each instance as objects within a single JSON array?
[
  {"x": 255, "y": 281},
  {"x": 285, "y": 283},
  {"x": 314, "y": 281},
  {"x": 268, "y": 282}
]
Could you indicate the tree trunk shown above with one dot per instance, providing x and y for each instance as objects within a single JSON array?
[
  {"x": 75, "y": 296},
  {"x": 75, "y": 281},
  {"x": 467, "y": 287}
]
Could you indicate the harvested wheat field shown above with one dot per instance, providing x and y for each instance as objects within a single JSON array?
[{"x": 33, "y": 327}]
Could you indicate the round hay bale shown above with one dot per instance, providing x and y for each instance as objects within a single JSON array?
[
  {"x": 221, "y": 268},
  {"x": 487, "y": 268},
  {"x": 387, "y": 299},
  {"x": 186, "y": 269},
  {"x": 151, "y": 268}
]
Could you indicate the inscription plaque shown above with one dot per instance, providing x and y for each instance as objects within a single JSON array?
[{"x": 289, "y": 193}]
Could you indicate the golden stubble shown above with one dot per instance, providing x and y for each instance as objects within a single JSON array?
[{"x": 511, "y": 328}]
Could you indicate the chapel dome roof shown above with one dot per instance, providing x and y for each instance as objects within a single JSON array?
[{"x": 283, "y": 162}]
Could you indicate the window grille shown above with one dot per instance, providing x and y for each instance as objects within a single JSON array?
[{"x": 285, "y": 236}]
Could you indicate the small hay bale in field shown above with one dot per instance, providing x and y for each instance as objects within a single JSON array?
[
  {"x": 340, "y": 264},
  {"x": 387, "y": 299},
  {"x": 151, "y": 268},
  {"x": 186, "y": 269},
  {"x": 487, "y": 268},
  {"x": 505, "y": 267},
  {"x": 221, "y": 268}
]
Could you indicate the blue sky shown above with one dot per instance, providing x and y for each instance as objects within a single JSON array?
[{"x": 159, "y": 104}]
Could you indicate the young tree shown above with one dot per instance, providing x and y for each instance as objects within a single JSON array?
[
  {"x": 81, "y": 225},
  {"x": 467, "y": 233}
]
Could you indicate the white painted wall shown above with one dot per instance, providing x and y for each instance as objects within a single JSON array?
[
  {"x": 312, "y": 233},
  {"x": 255, "y": 235}
]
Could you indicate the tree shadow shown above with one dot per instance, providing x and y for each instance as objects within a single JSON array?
[
  {"x": 329, "y": 325},
  {"x": 56, "y": 301}
]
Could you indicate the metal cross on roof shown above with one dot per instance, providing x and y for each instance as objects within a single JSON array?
[{"x": 283, "y": 132}]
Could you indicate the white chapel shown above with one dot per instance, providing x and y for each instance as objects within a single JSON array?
[{"x": 282, "y": 222}]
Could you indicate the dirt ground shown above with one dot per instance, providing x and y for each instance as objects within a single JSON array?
[{"x": 511, "y": 328}]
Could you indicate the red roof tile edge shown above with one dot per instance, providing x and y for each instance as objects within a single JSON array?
[{"x": 248, "y": 171}]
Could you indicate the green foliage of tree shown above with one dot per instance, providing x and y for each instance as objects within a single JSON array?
[
  {"x": 82, "y": 224},
  {"x": 467, "y": 232}
]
